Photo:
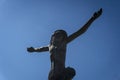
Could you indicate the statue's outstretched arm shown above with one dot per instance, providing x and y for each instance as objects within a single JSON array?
[
  {"x": 85, "y": 27},
  {"x": 41, "y": 49}
]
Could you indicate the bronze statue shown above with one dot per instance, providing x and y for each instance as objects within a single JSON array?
[{"x": 57, "y": 49}]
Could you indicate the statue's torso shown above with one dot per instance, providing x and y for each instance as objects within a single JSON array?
[{"x": 58, "y": 55}]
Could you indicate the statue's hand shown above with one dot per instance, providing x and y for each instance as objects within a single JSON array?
[
  {"x": 30, "y": 49},
  {"x": 97, "y": 14}
]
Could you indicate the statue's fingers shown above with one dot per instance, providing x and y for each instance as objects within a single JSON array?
[
  {"x": 95, "y": 14},
  {"x": 100, "y": 11},
  {"x": 29, "y": 49}
]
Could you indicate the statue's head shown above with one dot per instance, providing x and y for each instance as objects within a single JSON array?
[{"x": 59, "y": 36}]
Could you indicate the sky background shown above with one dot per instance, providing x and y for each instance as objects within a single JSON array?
[{"x": 95, "y": 55}]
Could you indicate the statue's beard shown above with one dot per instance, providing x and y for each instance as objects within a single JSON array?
[{"x": 57, "y": 42}]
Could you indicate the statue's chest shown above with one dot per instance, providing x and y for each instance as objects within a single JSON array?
[
  {"x": 57, "y": 49},
  {"x": 57, "y": 53}
]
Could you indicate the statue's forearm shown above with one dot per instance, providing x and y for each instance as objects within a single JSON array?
[
  {"x": 31, "y": 49},
  {"x": 42, "y": 49},
  {"x": 86, "y": 26},
  {"x": 81, "y": 30},
  {"x": 90, "y": 21}
]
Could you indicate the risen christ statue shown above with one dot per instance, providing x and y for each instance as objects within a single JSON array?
[{"x": 57, "y": 49}]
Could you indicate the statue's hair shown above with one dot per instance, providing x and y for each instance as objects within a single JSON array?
[{"x": 63, "y": 32}]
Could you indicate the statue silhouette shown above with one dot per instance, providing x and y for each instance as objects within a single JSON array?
[{"x": 57, "y": 49}]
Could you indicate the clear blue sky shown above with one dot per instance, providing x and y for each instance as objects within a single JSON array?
[{"x": 23, "y": 23}]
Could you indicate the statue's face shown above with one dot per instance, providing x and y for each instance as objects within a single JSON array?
[{"x": 58, "y": 37}]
